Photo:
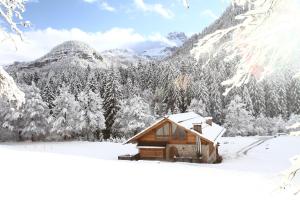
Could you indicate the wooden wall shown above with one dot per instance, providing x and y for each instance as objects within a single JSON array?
[
  {"x": 152, "y": 153},
  {"x": 150, "y": 136}
]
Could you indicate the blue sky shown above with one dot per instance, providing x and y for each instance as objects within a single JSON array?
[
  {"x": 106, "y": 24},
  {"x": 143, "y": 16}
]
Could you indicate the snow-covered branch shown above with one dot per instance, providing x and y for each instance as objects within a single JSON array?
[
  {"x": 291, "y": 174},
  {"x": 11, "y": 12},
  {"x": 265, "y": 40},
  {"x": 8, "y": 88}
]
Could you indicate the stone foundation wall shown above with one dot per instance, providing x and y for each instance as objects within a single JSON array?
[
  {"x": 190, "y": 150},
  {"x": 184, "y": 150}
]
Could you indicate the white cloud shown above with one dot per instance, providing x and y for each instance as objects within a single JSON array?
[
  {"x": 103, "y": 5},
  {"x": 90, "y": 1},
  {"x": 209, "y": 13},
  {"x": 39, "y": 42},
  {"x": 156, "y": 8},
  {"x": 31, "y": 1}
]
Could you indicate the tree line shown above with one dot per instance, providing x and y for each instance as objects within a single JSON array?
[{"x": 102, "y": 103}]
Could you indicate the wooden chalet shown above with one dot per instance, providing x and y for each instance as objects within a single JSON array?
[{"x": 179, "y": 137}]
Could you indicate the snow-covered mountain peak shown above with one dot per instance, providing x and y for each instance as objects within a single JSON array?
[
  {"x": 74, "y": 49},
  {"x": 121, "y": 56},
  {"x": 178, "y": 37},
  {"x": 162, "y": 48},
  {"x": 68, "y": 54}
]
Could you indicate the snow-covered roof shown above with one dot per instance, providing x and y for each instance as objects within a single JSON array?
[{"x": 209, "y": 132}]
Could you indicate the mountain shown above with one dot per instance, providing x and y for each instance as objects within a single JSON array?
[
  {"x": 67, "y": 54},
  {"x": 123, "y": 57},
  {"x": 227, "y": 19},
  {"x": 160, "y": 49}
]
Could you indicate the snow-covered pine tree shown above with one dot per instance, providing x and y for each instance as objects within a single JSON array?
[
  {"x": 48, "y": 94},
  {"x": 92, "y": 83},
  {"x": 111, "y": 101},
  {"x": 30, "y": 121},
  {"x": 76, "y": 85},
  {"x": 160, "y": 108},
  {"x": 280, "y": 86},
  {"x": 133, "y": 116},
  {"x": 168, "y": 75},
  {"x": 91, "y": 119},
  {"x": 238, "y": 119},
  {"x": 9, "y": 89},
  {"x": 200, "y": 92},
  {"x": 247, "y": 99},
  {"x": 256, "y": 92},
  {"x": 294, "y": 96},
  {"x": 272, "y": 98},
  {"x": 129, "y": 89},
  {"x": 198, "y": 107},
  {"x": 65, "y": 116},
  {"x": 10, "y": 121},
  {"x": 13, "y": 120},
  {"x": 215, "y": 99},
  {"x": 183, "y": 89},
  {"x": 12, "y": 20},
  {"x": 35, "y": 114}
]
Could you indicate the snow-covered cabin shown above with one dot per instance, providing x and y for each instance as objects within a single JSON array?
[{"x": 180, "y": 137}]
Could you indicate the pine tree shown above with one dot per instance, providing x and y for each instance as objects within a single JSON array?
[
  {"x": 65, "y": 115},
  {"x": 238, "y": 119},
  {"x": 198, "y": 107},
  {"x": 48, "y": 94},
  {"x": 35, "y": 114},
  {"x": 11, "y": 120},
  {"x": 247, "y": 99},
  {"x": 30, "y": 121},
  {"x": 257, "y": 96},
  {"x": 272, "y": 99},
  {"x": 133, "y": 116},
  {"x": 215, "y": 98},
  {"x": 200, "y": 92},
  {"x": 92, "y": 83},
  {"x": 168, "y": 77},
  {"x": 111, "y": 101},
  {"x": 280, "y": 87},
  {"x": 294, "y": 97},
  {"x": 91, "y": 114}
]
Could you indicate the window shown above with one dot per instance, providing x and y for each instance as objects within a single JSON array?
[
  {"x": 178, "y": 132},
  {"x": 163, "y": 131}
]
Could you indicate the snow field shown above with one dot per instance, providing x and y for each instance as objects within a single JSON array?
[{"x": 89, "y": 170}]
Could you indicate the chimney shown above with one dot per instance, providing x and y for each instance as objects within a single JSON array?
[
  {"x": 209, "y": 120},
  {"x": 197, "y": 127}
]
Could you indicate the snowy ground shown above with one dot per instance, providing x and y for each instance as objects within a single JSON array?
[{"x": 81, "y": 170}]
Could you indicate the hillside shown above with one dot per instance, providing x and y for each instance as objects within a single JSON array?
[
  {"x": 67, "y": 54},
  {"x": 226, "y": 20}
]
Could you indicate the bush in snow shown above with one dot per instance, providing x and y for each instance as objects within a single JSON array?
[
  {"x": 268, "y": 126},
  {"x": 293, "y": 125},
  {"x": 133, "y": 116}
]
